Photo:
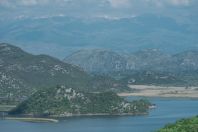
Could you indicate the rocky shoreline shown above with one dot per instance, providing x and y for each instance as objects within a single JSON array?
[{"x": 98, "y": 114}]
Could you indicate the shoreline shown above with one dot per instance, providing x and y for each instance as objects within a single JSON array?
[
  {"x": 155, "y": 96},
  {"x": 162, "y": 91},
  {"x": 98, "y": 114},
  {"x": 57, "y": 118},
  {"x": 32, "y": 119}
]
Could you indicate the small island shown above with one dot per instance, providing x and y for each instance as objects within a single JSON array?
[{"x": 62, "y": 101}]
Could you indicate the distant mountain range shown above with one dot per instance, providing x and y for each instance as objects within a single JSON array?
[
  {"x": 104, "y": 61},
  {"x": 62, "y": 101},
  {"x": 22, "y": 74},
  {"x": 149, "y": 66},
  {"x": 57, "y": 34}
]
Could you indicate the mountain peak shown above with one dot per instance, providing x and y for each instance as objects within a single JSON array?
[
  {"x": 97, "y": 60},
  {"x": 150, "y": 51},
  {"x": 6, "y": 45},
  {"x": 96, "y": 50},
  {"x": 189, "y": 53},
  {"x": 10, "y": 50}
]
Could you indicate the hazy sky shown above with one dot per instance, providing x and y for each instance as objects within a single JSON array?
[
  {"x": 112, "y": 9},
  {"x": 182, "y": 12}
]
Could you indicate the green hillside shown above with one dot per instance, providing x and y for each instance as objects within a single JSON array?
[
  {"x": 64, "y": 101},
  {"x": 184, "y": 125},
  {"x": 22, "y": 74}
]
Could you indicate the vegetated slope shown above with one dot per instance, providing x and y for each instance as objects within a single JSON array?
[
  {"x": 65, "y": 101},
  {"x": 149, "y": 66},
  {"x": 97, "y": 60},
  {"x": 155, "y": 60},
  {"x": 100, "y": 61},
  {"x": 147, "y": 59},
  {"x": 106, "y": 83},
  {"x": 184, "y": 125},
  {"x": 186, "y": 61},
  {"x": 22, "y": 73}
]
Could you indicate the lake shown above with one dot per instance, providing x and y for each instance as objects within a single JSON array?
[{"x": 168, "y": 111}]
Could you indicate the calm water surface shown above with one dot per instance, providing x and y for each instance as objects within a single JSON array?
[{"x": 168, "y": 111}]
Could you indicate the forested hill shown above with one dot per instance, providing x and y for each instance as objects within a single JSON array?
[
  {"x": 64, "y": 101},
  {"x": 22, "y": 74}
]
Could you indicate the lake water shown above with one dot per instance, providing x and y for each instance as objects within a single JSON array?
[{"x": 168, "y": 111}]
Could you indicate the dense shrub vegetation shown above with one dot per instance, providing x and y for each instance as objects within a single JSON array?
[
  {"x": 184, "y": 125},
  {"x": 64, "y": 101}
]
